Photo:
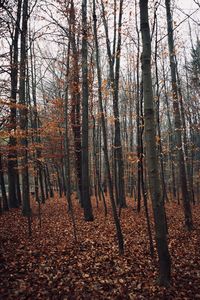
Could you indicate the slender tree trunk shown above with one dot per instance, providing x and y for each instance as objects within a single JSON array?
[
  {"x": 75, "y": 100},
  {"x": 49, "y": 183},
  {"x": 3, "y": 188},
  {"x": 114, "y": 78},
  {"x": 59, "y": 181},
  {"x": 67, "y": 152},
  {"x": 192, "y": 152},
  {"x": 41, "y": 183},
  {"x": 12, "y": 153},
  {"x": 46, "y": 183},
  {"x": 26, "y": 209},
  {"x": 177, "y": 122},
  {"x": 159, "y": 141},
  {"x": 139, "y": 119},
  {"x": 118, "y": 144},
  {"x": 24, "y": 114},
  {"x": 97, "y": 173},
  {"x": 36, "y": 125},
  {"x": 66, "y": 138},
  {"x": 143, "y": 183},
  {"x": 185, "y": 139},
  {"x": 151, "y": 155},
  {"x": 171, "y": 143},
  {"x": 107, "y": 163},
  {"x": 85, "y": 193}
]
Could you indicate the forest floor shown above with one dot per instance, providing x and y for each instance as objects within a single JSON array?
[{"x": 50, "y": 265}]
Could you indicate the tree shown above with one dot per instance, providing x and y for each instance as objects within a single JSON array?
[
  {"x": 177, "y": 121},
  {"x": 195, "y": 65},
  {"x": 110, "y": 183},
  {"x": 13, "y": 177},
  {"x": 75, "y": 98},
  {"x": 151, "y": 154},
  {"x": 2, "y": 187},
  {"x": 114, "y": 72},
  {"x": 85, "y": 193},
  {"x": 26, "y": 209}
]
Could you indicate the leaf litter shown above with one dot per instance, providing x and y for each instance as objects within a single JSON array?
[{"x": 50, "y": 265}]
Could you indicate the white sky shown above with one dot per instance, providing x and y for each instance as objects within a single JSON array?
[
  {"x": 187, "y": 4},
  {"x": 182, "y": 9}
]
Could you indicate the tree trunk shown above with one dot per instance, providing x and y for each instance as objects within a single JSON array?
[
  {"x": 3, "y": 188},
  {"x": 138, "y": 120},
  {"x": 67, "y": 152},
  {"x": 160, "y": 147},
  {"x": 177, "y": 122},
  {"x": 143, "y": 182},
  {"x": 107, "y": 164},
  {"x": 24, "y": 116},
  {"x": 114, "y": 78},
  {"x": 75, "y": 100},
  {"x": 151, "y": 155},
  {"x": 12, "y": 153},
  {"x": 85, "y": 193},
  {"x": 171, "y": 144}
]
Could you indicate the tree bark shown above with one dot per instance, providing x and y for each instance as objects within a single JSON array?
[
  {"x": 12, "y": 152},
  {"x": 3, "y": 188},
  {"x": 75, "y": 99},
  {"x": 105, "y": 145},
  {"x": 85, "y": 193},
  {"x": 177, "y": 122},
  {"x": 151, "y": 154},
  {"x": 114, "y": 79},
  {"x": 26, "y": 209}
]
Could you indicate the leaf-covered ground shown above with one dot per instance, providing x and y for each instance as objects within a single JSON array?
[{"x": 49, "y": 265}]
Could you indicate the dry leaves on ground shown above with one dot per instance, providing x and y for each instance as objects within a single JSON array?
[{"x": 50, "y": 265}]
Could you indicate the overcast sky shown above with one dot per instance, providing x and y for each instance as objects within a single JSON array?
[
  {"x": 187, "y": 4},
  {"x": 189, "y": 7}
]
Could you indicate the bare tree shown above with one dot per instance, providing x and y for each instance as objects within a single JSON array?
[
  {"x": 85, "y": 193},
  {"x": 24, "y": 116},
  {"x": 151, "y": 153},
  {"x": 177, "y": 121},
  {"x": 105, "y": 143}
]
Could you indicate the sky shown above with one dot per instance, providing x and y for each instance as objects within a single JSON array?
[
  {"x": 189, "y": 6},
  {"x": 184, "y": 8}
]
